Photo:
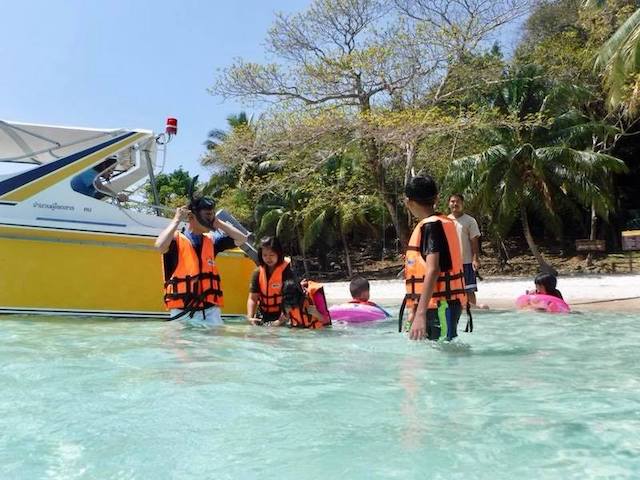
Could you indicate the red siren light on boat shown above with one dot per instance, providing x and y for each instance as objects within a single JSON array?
[{"x": 172, "y": 126}]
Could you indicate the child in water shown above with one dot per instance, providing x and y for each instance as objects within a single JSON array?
[
  {"x": 546, "y": 285},
  {"x": 265, "y": 290},
  {"x": 299, "y": 309},
  {"x": 359, "y": 289}
]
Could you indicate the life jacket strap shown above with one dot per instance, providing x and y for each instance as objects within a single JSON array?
[{"x": 469, "y": 327}]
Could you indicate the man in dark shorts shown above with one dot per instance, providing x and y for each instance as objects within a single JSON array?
[{"x": 469, "y": 235}]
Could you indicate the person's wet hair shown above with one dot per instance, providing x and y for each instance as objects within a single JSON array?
[
  {"x": 292, "y": 294},
  {"x": 358, "y": 285},
  {"x": 458, "y": 196},
  {"x": 549, "y": 282},
  {"x": 422, "y": 189},
  {"x": 274, "y": 244}
]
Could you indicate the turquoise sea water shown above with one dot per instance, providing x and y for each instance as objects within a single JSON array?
[{"x": 524, "y": 396}]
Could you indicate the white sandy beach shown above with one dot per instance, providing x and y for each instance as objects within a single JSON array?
[{"x": 620, "y": 293}]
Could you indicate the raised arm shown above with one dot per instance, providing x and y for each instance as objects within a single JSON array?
[
  {"x": 164, "y": 239},
  {"x": 230, "y": 230}
]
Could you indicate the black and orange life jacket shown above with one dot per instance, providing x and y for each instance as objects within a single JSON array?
[
  {"x": 450, "y": 284},
  {"x": 271, "y": 288},
  {"x": 195, "y": 282},
  {"x": 300, "y": 317}
]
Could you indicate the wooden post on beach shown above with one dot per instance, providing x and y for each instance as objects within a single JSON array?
[{"x": 630, "y": 244}]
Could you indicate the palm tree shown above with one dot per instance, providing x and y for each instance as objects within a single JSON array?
[
  {"x": 235, "y": 121},
  {"x": 619, "y": 60},
  {"x": 338, "y": 205},
  {"x": 338, "y": 218},
  {"x": 251, "y": 164},
  {"x": 530, "y": 169},
  {"x": 281, "y": 214}
]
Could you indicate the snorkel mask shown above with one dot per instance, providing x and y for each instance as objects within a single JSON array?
[{"x": 197, "y": 204}]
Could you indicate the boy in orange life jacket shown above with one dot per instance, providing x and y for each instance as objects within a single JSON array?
[
  {"x": 433, "y": 267},
  {"x": 192, "y": 281},
  {"x": 265, "y": 290},
  {"x": 359, "y": 289}
]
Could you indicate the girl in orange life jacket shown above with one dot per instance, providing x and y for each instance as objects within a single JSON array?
[
  {"x": 299, "y": 307},
  {"x": 433, "y": 266},
  {"x": 192, "y": 281},
  {"x": 265, "y": 289}
]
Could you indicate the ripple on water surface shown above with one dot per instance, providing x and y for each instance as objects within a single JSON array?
[{"x": 528, "y": 395}]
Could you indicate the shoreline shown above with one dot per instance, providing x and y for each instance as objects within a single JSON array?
[{"x": 613, "y": 293}]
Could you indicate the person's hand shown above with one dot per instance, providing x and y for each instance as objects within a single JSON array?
[
  {"x": 255, "y": 321},
  {"x": 418, "y": 326},
  {"x": 277, "y": 323},
  {"x": 182, "y": 214},
  {"x": 304, "y": 283},
  {"x": 476, "y": 264}
]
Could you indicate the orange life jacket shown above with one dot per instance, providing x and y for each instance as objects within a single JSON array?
[
  {"x": 450, "y": 284},
  {"x": 195, "y": 283},
  {"x": 271, "y": 288},
  {"x": 301, "y": 318}
]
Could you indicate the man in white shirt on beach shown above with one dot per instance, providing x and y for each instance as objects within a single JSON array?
[{"x": 469, "y": 235}]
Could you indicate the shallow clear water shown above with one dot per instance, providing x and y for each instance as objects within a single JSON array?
[{"x": 524, "y": 396}]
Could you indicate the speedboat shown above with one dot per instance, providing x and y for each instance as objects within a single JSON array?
[{"x": 67, "y": 249}]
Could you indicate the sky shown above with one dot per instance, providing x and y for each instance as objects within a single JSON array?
[{"x": 129, "y": 64}]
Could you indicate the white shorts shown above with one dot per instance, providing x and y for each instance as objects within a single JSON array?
[{"x": 209, "y": 317}]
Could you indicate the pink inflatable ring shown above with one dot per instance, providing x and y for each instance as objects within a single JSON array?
[
  {"x": 357, "y": 313},
  {"x": 547, "y": 303}
]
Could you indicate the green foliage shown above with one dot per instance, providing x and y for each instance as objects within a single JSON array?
[
  {"x": 172, "y": 188},
  {"x": 532, "y": 168}
]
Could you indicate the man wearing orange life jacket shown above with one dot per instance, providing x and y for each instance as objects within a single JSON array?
[
  {"x": 192, "y": 280},
  {"x": 434, "y": 276}
]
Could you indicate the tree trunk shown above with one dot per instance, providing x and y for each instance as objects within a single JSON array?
[
  {"x": 347, "y": 257},
  {"x": 592, "y": 233},
  {"x": 389, "y": 198},
  {"x": 372, "y": 153},
  {"x": 305, "y": 263},
  {"x": 544, "y": 266},
  {"x": 409, "y": 159}
]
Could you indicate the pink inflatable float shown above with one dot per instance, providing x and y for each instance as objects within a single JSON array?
[
  {"x": 547, "y": 303},
  {"x": 357, "y": 313}
]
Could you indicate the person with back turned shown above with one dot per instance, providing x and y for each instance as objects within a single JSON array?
[{"x": 434, "y": 278}]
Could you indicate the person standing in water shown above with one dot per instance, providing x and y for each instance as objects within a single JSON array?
[
  {"x": 434, "y": 278},
  {"x": 469, "y": 236},
  {"x": 265, "y": 289},
  {"x": 192, "y": 281}
]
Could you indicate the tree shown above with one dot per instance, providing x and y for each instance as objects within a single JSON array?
[
  {"x": 529, "y": 168},
  {"x": 356, "y": 55},
  {"x": 243, "y": 162},
  {"x": 172, "y": 188},
  {"x": 617, "y": 59},
  {"x": 281, "y": 214},
  {"x": 337, "y": 204}
]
